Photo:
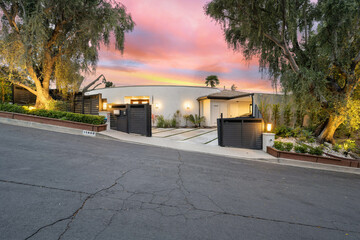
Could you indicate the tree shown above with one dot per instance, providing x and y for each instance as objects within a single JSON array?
[
  {"x": 109, "y": 85},
  {"x": 233, "y": 87},
  {"x": 320, "y": 67},
  {"x": 57, "y": 40},
  {"x": 275, "y": 114},
  {"x": 5, "y": 85},
  {"x": 212, "y": 80},
  {"x": 287, "y": 113}
]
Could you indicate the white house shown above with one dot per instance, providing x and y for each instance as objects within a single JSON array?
[{"x": 167, "y": 99}]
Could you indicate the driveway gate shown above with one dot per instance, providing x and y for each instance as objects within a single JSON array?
[
  {"x": 131, "y": 118},
  {"x": 240, "y": 132}
]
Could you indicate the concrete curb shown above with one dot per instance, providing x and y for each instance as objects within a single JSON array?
[{"x": 229, "y": 154}]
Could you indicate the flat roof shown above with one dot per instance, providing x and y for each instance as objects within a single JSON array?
[{"x": 226, "y": 95}]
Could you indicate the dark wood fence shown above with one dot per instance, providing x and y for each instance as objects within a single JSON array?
[
  {"x": 131, "y": 118},
  {"x": 88, "y": 104},
  {"x": 240, "y": 132}
]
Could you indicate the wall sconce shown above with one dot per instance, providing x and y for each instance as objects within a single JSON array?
[
  {"x": 104, "y": 106},
  {"x": 268, "y": 127},
  {"x": 187, "y": 106},
  {"x": 157, "y": 106}
]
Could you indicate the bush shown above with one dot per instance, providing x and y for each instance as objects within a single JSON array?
[
  {"x": 160, "y": 121},
  {"x": 288, "y": 146},
  {"x": 316, "y": 151},
  {"x": 278, "y": 145},
  {"x": 6, "y": 107},
  {"x": 301, "y": 148},
  {"x": 336, "y": 147},
  {"x": 349, "y": 145},
  {"x": 75, "y": 117},
  {"x": 283, "y": 131}
]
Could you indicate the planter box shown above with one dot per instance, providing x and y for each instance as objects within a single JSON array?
[
  {"x": 313, "y": 158},
  {"x": 53, "y": 121}
]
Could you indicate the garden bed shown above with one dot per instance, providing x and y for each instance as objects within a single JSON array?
[
  {"x": 53, "y": 121},
  {"x": 313, "y": 158}
]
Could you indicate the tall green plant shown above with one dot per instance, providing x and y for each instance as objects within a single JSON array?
[
  {"x": 275, "y": 114},
  {"x": 196, "y": 120},
  {"x": 288, "y": 115},
  {"x": 264, "y": 110}
]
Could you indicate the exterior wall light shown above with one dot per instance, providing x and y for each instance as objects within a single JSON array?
[
  {"x": 104, "y": 106},
  {"x": 157, "y": 106},
  {"x": 187, "y": 106},
  {"x": 268, "y": 127}
]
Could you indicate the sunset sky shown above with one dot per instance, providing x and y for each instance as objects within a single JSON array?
[{"x": 174, "y": 43}]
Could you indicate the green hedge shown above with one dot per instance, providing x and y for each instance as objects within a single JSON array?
[{"x": 75, "y": 117}]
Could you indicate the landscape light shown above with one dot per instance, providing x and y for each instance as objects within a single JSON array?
[
  {"x": 32, "y": 108},
  {"x": 268, "y": 127}
]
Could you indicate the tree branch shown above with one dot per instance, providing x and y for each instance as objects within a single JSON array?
[
  {"x": 10, "y": 18},
  {"x": 24, "y": 86},
  {"x": 286, "y": 51}
]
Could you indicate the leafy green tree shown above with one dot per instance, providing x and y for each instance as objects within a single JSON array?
[
  {"x": 52, "y": 40},
  {"x": 212, "y": 80},
  {"x": 5, "y": 86},
  {"x": 311, "y": 49}
]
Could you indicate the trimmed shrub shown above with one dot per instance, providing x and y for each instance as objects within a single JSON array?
[
  {"x": 316, "y": 151},
  {"x": 288, "y": 146},
  {"x": 282, "y": 131},
  {"x": 336, "y": 147},
  {"x": 301, "y": 149},
  {"x": 6, "y": 107},
  {"x": 75, "y": 117},
  {"x": 278, "y": 145}
]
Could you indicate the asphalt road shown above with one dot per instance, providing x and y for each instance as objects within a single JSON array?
[{"x": 60, "y": 186}]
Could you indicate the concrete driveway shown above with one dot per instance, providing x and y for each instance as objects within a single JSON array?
[
  {"x": 61, "y": 186},
  {"x": 192, "y": 135}
]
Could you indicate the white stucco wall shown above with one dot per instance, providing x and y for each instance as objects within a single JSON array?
[{"x": 168, "y": 98}]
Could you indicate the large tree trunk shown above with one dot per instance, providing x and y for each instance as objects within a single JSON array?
[
  {"x": 327, "y": 134},
  {"x": 43, "y": 99}
]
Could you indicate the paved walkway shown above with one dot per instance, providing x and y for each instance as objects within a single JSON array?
[
  {"x": 188, "y": 139},
  {"x": 191, "y": 135}
]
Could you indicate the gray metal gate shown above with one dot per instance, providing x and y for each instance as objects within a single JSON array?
[
  {"x": 131, "y": 118},
  {"x": 240, "y": 132}
]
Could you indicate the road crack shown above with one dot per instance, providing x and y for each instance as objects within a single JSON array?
[{"x": 76, "y": 212}]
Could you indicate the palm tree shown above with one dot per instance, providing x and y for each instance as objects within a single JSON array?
[{"x": 212, "y": 80}]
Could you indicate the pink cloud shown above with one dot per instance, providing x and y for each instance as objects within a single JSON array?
[{"x": 173, "y": 40}]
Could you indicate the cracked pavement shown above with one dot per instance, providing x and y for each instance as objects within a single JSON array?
[{"x": 60, "y": 186}]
